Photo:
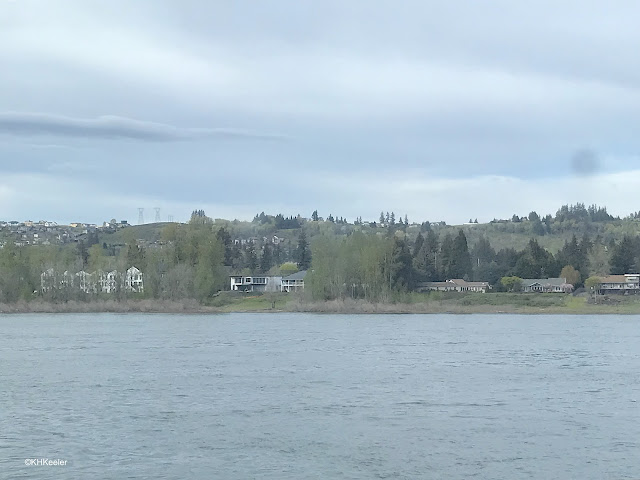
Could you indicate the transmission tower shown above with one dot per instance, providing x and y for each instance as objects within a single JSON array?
[
  {"x": 140, "y": 216},
  {"x": 170, "y": 218},
  {"x": 157, "y": 209}
]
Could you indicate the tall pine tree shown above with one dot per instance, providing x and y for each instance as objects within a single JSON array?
[{"x": 303, "y": 252}]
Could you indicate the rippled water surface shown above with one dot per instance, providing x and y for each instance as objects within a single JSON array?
[{"x": 320, "y": 396}]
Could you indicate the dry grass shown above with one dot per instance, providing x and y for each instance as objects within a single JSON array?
[{"x": 106, "y": 306}]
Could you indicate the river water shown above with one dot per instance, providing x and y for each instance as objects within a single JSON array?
[{"x": 297, "y": 396}]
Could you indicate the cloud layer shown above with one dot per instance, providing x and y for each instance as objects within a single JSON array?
[
  {"x": 418, "y": 106},
  {"x": 110, "y": 128}
]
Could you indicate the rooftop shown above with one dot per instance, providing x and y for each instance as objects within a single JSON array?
[
  {"x": 553, "y": 282},
  {"x": 296, "y": 276}
]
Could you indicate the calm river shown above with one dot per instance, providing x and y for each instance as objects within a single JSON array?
[{"x": 296, "y": 396}]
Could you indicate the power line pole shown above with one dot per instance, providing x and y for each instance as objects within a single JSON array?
[{"x": 157, "y": 209}]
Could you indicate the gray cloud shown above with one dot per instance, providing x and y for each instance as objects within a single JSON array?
[{"x": 112, "y": 127}]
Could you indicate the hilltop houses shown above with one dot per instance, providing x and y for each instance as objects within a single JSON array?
[{"x": 130, "y": 281}]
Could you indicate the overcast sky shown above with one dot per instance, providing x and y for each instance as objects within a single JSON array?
[{"x": 443, "y": 110}]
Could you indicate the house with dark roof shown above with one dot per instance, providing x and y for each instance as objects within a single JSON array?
[
  {"x": 294, "y": 282},
  {"x": 454, "y": 285},
  {"x": 546, "y": 285},
  {"x": 255, "y": 283}
]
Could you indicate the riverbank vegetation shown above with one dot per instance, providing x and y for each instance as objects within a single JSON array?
[{"x": 418, "y": 303}]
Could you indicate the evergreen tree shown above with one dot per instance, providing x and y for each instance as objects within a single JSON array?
[
  {"x": 402, "y": 277},
  {"x": 623, "y": 258},
  {"x": 251, "y": 259},
  {"x": 425, "y": 260},
  {"x": 266, "y": 260},
  {"x": 460, "y": 262},
  {"x": 225, "y": 239},
  {"x": 575, "y": 254},
  {"x": 536, "y": 262},
  {"x": 417, "y": 245},
  {"x": 443, "y": 261},
  {"x": 482, "y": 252},
  {"x": 83, "y": 253},
  {"x": 277, "y": 255},
  {"x": 303, "y": 252},
  {"x": 314, "y": 216}
]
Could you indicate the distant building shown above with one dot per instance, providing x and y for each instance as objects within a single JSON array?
[
  {"x": 86, "y": 282},
  {"x": 109, "y": 282},
  {"x": 133, "y": 281},
  {"x": 255, "y": 283},
  {"x": 294, "y": 282},
  {"x": 48, "y": 280},
  {"x": 92, "y": 283},
  {"x": 624, "y": 284},
  {"x": 454, "y": 285},
  {"x": 546, "y": 285}
]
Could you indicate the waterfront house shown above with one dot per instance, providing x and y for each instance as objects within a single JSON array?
[
  {"x": 255, "y": 283},
  {"x": 133, "y": 281},
  {"x": 454, "y": 285},
  {"x": 48, "y": 280},
  {"x": 546, "y": 285},
  {"x": 294, "y": 282},
  {"x": 624, "y": 284},
  {"x": 86, "y": 282}
]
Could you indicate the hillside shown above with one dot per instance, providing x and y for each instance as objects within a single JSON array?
[{"x": 500, "y": 234}]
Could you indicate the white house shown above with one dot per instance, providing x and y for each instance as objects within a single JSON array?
[
  {"x": 108, "y": 281},
  {"x": 86, "y": 282},
  {"x": 67, "y": 279},
  {"x": 91, "y": 283},
  {"x": 48, "y": 280},
  {"x": 133, "y": 281},
  {"x": 255, "y": 283},
  {"x": 294, "y": 282}
]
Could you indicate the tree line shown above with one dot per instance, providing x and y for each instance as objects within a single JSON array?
[
  {"x": 195, "y": 259},
  {"x": 371, "y": 267}
]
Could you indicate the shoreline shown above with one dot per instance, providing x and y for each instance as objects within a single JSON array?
[{"x": 348, "y": 306}]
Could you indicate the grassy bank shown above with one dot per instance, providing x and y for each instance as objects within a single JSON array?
[
  {"x": 106, "y": 306},
  {"x": 435, "y": 302},
  {"x": 478, "y": 303}
]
